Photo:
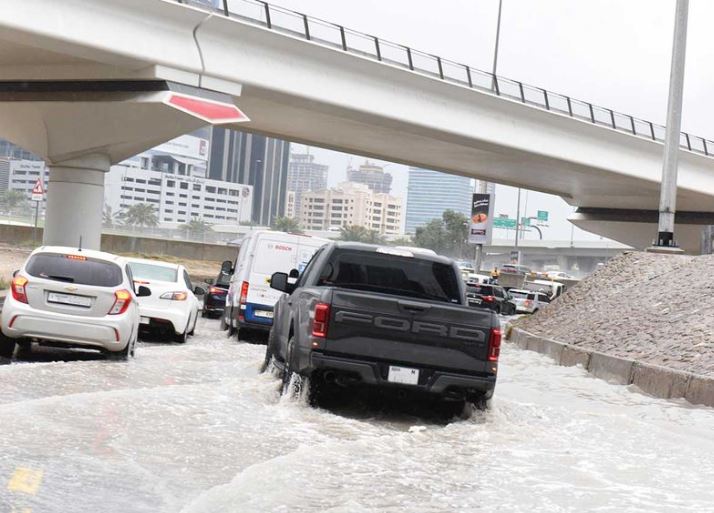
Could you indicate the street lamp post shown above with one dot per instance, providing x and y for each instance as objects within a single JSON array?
[
  {"x": 481, "y": 185},
  {"x": 668, "y": 191}
]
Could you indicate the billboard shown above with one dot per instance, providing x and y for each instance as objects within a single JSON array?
[
  {"x": 481, "y": 228},
  {"x": 185, "y": 146}
]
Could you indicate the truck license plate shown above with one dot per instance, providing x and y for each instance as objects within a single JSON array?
[
  {"x": 403, "y": 375},
  {"x": 264, "y": 313}
]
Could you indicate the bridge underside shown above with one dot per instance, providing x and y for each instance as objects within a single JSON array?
[{"x": 638, "y": 228}]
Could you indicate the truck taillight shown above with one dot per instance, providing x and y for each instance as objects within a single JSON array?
[
  {"x": 122, "y": 300},
  {"x": 494, "y": 345},
  {"x": 18, "y": 289},
  {"x": 321, "y": 320},
  {"x": 244, "y": 293},
  {"x": 488, "y": 299}
]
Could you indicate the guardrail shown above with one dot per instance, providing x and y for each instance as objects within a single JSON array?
[{"x": 342, "y": 38}]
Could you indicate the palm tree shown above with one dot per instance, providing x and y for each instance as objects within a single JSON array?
[
  {"x": 111, "y": 218},
  {"x": 196, "y": 228},
  {"x": 140, "y": 214},
  {"x": 286, "y": 224}
]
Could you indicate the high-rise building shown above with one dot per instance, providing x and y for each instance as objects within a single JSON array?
[
  {"x": 14, "y": 152},
  {"x": 304, "y": 174},
  {"x": 430, "y": 193},
  {"x": 372, "y": 175},
  {"x": 351, "y": 204},
  {"x": 255, "y": 160}
]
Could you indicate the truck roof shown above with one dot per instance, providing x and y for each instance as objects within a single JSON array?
[{"x": 391, "y": 250}]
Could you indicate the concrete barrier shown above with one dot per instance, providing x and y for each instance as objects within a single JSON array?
[
  {"x": 112, "y": 243},
  {"x": 650, "y": 379}
]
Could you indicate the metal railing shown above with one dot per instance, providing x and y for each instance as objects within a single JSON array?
[{"x": 342, "y": 38}]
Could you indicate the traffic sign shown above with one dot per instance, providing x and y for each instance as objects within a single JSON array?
[
  {"x": 504, "y": 222},
  {"x": 38, "y": 191},
  {"x": 543, "y": 216},
  {"x": 525, "y": 221}
]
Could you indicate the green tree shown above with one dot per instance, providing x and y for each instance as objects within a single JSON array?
[
  {"x": 360, "y": 234},
  {"x": 402, "y": 241},
  {"x": 286, "y": 224},
  {"x": 141, "y": 214},
  {"x": 446, "y": 236},
  {"x": 196, "y": 228},
  {"x": 13, "y": 199}
]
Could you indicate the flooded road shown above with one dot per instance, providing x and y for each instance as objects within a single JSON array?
[{"x": 195, "y": 428}]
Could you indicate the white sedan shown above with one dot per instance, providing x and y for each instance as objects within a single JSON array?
[
  {"x": 172, "y": 307},
  {"x": 71, "y": 297}
]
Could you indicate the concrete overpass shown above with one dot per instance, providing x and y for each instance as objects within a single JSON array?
[{"x": 79, "y": 83}]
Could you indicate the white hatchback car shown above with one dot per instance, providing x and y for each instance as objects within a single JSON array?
[
  {"x": 172, "y": 307},
  {"x": 71, "y": 297}
]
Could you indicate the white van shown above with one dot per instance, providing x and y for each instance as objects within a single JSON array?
[{"x": 250, "y": 300}]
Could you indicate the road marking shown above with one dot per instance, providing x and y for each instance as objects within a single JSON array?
[{"x": 25, "y": 480}]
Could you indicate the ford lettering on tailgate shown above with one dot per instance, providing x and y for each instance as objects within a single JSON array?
[{"x": 411, "y": 326}]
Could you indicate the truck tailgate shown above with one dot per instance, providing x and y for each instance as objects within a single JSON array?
[{"x": 408, "y": 331}]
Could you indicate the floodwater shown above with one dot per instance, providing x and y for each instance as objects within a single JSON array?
[{"x": 196, "y": 428}]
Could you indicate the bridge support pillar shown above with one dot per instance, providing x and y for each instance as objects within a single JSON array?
[{"x": 75, "y": 202}]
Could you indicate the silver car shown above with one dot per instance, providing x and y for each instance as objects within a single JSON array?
[
  {"x": 528, "y": 301},
  {"x": 71, "y": 297}
]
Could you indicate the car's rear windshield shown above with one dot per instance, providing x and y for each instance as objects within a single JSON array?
[
  {"x": 223, "y": 280},
  {"x": 74, "y": 269},
  {"x": 392, "y": 274},
  {"x": 142, "y": 271},
  {"x": 486, "y": 290}
]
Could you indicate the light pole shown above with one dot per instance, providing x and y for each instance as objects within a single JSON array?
[
  {"x": 481, "y": 185},
  {"x": 668, "y": 190}
]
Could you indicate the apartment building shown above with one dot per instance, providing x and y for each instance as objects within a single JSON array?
[{"x": 351, "y": 204}]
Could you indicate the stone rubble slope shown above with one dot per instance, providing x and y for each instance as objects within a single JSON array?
[{"x": 651, "y": 308}]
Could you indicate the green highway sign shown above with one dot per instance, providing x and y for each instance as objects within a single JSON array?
[
  {"x": 504, "y": 222},
  {"x": 525, "y": 221},
  {"x": 543, "y": 216}
]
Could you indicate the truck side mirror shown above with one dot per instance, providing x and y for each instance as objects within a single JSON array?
[
  {"x": 279, "y": 281},
  {"x": 227, "y": 267}
]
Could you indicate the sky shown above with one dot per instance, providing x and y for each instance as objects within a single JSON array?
[{"x": 612, "y": 53}]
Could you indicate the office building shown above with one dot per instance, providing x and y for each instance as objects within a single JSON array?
[
  {"x": 12, "y": 151},
  {"x": 430, "y": 193},
  {"x": 371, "y": 175},
  {"x": 304, "y": 174},
  {"x": 351, "y": 204},
  {"x": 255, "y": 160},
  {"x": 178, "y": 199}
]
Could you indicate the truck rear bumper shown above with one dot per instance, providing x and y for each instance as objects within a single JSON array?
[{"x": 430, "y": 380}]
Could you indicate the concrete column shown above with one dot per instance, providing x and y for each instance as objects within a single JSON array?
[{"x": 75, "y": 202}]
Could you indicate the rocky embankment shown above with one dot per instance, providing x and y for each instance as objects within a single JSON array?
[{"x": 656, "y": 309}]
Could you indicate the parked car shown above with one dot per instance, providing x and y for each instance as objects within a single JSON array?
[
  {"x": 214, "y": 302},
  {"x": 250, "y": 300},
  {"x": 491, "y": 297},
  {"x": 70, "y": 297},
  {"x": 528, "y": 301},
  {"x": 172, "y": 308},
  {"x": 387, "y": 318}
]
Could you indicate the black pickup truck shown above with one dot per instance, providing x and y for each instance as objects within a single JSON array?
[{"x": 368, "y": 315}]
